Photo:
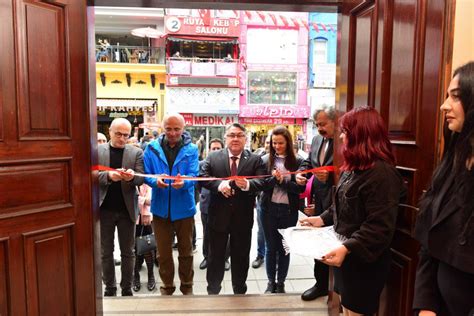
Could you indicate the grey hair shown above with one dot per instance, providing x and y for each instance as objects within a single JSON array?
[
  {"x": 239, "y": 126},
  {"x": 329, "y": 110}
]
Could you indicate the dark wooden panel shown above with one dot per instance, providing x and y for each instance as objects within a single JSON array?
[
  {"x": 363, "y": 21},
  {"x": 402, "y": 114},
  {"x": 4, "y": 301},
  {"x": 44, "y": 97},
  {"x": 49, "y": 271},
  {"x": 396, "y": 301},
  {"x": 47, "y": 184}
]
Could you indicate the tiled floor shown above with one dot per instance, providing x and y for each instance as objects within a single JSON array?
[{"x": 300, "y": 275}]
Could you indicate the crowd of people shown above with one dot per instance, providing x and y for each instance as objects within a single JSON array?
[{"x": 362, "y": 206}]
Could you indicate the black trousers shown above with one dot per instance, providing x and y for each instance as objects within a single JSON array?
[{"x": 240, "y": 241}]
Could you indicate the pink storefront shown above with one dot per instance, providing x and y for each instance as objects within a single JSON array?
[{"x": 273, "y": 72}]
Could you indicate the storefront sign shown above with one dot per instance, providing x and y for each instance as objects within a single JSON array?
[
  {"x": 192, "y": 119},
  {"x": 275, "y": 111},
  {"x": 270, "y": 121},
  {"x": 198, "y": 26}
]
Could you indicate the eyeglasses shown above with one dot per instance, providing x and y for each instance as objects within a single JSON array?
[
  {"x": 118, "y": 134},
  {"x": 235, "y": 135}
]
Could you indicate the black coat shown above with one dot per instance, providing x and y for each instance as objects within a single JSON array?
[
  {"x": 238, "y": 209},
  {"x": 290, "y": 186},
  {"x": 445, "y": 231},
  {"x": 365, "y": 209}
]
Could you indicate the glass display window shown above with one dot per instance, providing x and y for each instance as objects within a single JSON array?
[{"x": 268, "y": 87}]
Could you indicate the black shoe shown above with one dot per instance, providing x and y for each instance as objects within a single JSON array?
[
  {"x": 203, "y": 264},
  {"x": 257, "y": 262},
  {"x": 136, "y": 283},
  {"x": 151, "y": 283},
  {"x": 227, "y": 265},
  {"x": 127, "y": 292},
  {"x": 280, "y": 288},
  {"x": 110, "y": 291},
  {"x": 313, "y": 293},
  {"x": 194, "y": 249},
  {"x": 175, "y": 246},
  {"x": 117, "y": 262},
  {"x": 271, "y": 288}
]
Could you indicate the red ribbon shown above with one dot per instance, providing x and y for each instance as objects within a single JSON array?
[{"x": 187, "y": 178}]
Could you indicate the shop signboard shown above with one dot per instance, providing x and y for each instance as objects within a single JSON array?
[
  {"x": 198, "y": 26},
  {"x": 192, "y": 119},
  {"x": 270, "y": 121},
  {"x": 275, "y": 111}
]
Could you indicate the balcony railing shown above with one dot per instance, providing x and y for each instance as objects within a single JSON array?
[
  {"x": 130, "y": 54},
  {"x": 202, "y": 67}
]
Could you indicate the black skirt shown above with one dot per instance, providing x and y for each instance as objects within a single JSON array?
[{"x": 360, "y": 283}]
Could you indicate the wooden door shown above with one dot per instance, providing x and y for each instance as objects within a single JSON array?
[
  {"x": 46, "y": 213},
  {"x": 392, "y": 58}
]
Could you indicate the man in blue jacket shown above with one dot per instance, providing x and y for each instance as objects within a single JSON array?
[{"x": 172, "y": 202}]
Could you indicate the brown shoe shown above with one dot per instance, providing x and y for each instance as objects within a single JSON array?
[
  {"x": 186, "y": 289},
  {"x": 167, "y": 290}
]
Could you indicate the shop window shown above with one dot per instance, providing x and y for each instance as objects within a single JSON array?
[
  {"x": 320, "y": 51},
  {"x": 270, "y": 46},
  {"x": 271, "y": 87}
]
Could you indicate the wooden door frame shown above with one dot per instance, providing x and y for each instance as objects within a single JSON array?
[{"x": 276, "y": 5}]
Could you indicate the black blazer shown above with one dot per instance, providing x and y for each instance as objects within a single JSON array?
[
  {"x": 446, "y": 233},
  {"x": 321, "y": 191},
  {"x": 290, "y": 186},
  {"x": 365, "y": 209},
  {"x": 221, "y": 209}
]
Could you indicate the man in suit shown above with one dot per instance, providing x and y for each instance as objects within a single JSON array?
[
  {"x": 172, "y": 203},
  {"x": 118, "y": 204},
  {"x": 204, "y": 200},
  {"x": 321, "y": 154},
  {"x": 231, "y": 208}
]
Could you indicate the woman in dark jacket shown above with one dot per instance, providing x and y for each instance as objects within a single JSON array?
[
  {"x": 280, "y": 204},
  {"x": 364, "y": 211},
  {"x": 445, "y": 226}
]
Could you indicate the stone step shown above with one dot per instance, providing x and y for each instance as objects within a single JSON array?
[{"x": 252, "y": 304}]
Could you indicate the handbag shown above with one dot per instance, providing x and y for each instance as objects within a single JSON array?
[{"x": 145, "y": 243}]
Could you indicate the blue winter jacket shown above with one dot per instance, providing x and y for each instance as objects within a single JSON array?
[{"x": 169, "y": 202}]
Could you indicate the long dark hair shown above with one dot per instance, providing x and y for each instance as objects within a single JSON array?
[
  {"x": 367, "y": 139},
  {"x": 459, "y": 148},
  {"x": 290, "y": 160}
]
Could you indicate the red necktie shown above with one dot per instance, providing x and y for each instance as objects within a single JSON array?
[{"x": 233, "y": 166}]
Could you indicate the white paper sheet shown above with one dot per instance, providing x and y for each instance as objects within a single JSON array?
[{"x": 309, "y": 241}]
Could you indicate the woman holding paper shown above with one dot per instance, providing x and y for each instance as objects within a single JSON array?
[
  {"x": 280, "y": 204},
  {"x": 364, "y": 211},
  {"x": 445, "y": 226}
]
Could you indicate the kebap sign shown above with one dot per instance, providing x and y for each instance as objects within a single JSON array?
[{"x": 199, "y": 26}]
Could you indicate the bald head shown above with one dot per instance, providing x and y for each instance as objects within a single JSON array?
[
  {"x": 173, "y": 125},
  {"x": 119, "y": 132}
]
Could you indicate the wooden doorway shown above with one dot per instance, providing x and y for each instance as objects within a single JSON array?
[{"x": 393, "y": 56}]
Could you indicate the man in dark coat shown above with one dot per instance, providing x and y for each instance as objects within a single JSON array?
[
  {"x": 231, "y": 208},
  {"x": 321, "y": 154}
]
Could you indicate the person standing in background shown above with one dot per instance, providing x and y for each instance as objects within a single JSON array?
[{"x": 321, "y": 154}]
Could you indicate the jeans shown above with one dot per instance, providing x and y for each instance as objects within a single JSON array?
[
  {"x": 275, "y": 217},
  {"x": 260, "y": 233}
]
